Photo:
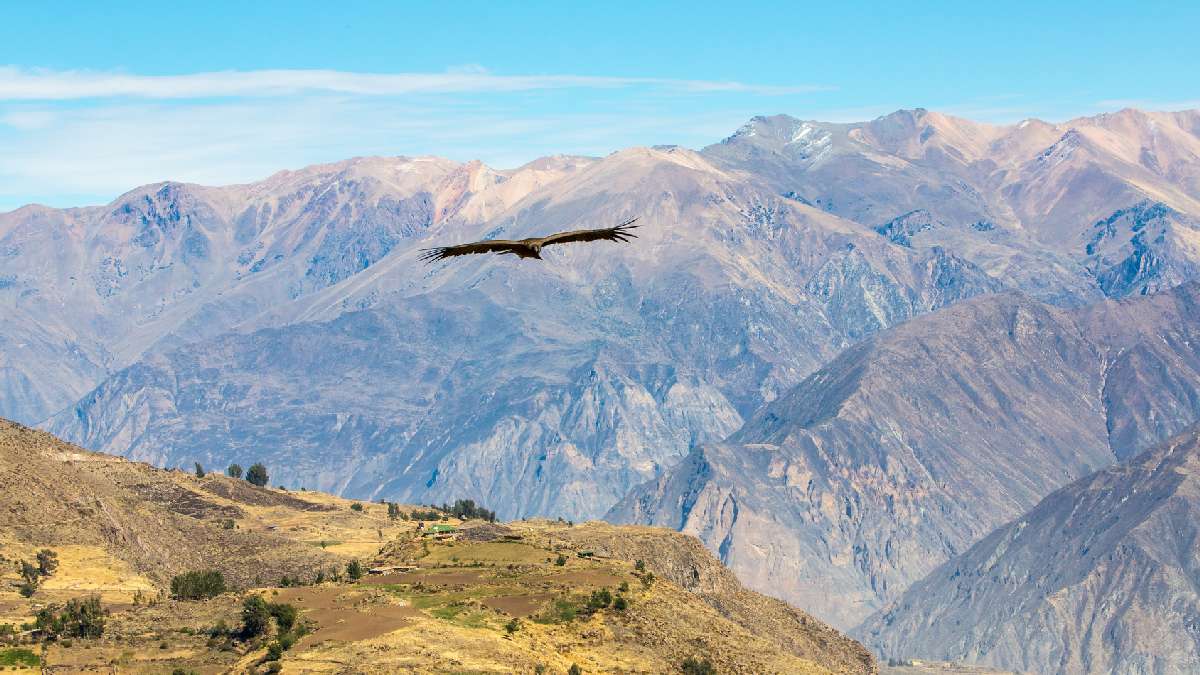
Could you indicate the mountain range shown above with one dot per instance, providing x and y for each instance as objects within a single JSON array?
[
  {"x": 840, "y": 354},
  {"x": 1100, "y": 576},
  {"x": 913, "y": 444}
]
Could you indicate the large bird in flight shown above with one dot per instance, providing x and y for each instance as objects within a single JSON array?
[{"x": 530, "y": 248}]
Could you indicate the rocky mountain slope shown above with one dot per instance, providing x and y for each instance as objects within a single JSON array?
[
  {"x": 1100, "y": 576},
  {"x": 1106, "y": 205},
  {"x": 122, "y": 529},
  {"x": 548, "y": 388},
  {"x": 103, "y": 284},
  {"x": 910, "y": 446}
]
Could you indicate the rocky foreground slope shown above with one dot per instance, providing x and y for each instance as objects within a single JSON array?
[
  {"x": 1101, "y": 576},
  {"x": 909, "y": 447},
  {"x": 517, "y": 597}
]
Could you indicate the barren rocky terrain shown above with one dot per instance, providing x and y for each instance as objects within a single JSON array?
[{"x": 1098, "y": 577}]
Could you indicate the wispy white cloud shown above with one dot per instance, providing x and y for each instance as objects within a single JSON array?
[
  {"x": 64, "y": 134},
  {"x": 52, "y": 153},
  {"x": 24, "y": 84},
  {"x": 1146, "y": 104}
]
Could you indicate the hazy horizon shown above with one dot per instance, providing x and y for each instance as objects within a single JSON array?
[{"x": 228, "y": 93}]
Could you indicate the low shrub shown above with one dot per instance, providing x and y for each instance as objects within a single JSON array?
[{"x": 199, "y": 585}]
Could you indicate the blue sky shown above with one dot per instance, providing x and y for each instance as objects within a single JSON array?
[{"x": 96, "y": 99}]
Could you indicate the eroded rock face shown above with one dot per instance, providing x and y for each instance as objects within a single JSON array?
[
  {"x": 1100, "y": 576},
  {"x": 1068, "y": 211},
  {"x": 912, "y": 445}
]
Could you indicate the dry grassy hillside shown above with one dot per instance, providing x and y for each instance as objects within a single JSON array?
[
  {"x": 158, "y": 523},
  {"x": 524, "y": 597}
]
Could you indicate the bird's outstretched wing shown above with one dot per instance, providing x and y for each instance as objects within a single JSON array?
[
  {"x": 618, "y": 233},
  {"x": 486, "y": 246}
]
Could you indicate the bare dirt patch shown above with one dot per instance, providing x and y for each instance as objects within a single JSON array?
[
  {"x": 346, "y": 614},
  {"x": 430, "y": 578},
  {"x": 520, "y": 606},
  {"x": 586, "y": 579}
]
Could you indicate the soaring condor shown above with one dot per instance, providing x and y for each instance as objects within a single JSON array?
[{"x": 530, "y": 248}]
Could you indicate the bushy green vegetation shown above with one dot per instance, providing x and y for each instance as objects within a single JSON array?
[
  {"x": 394, "y": 511},
  {"x": 256, "y": 617},
  {"x": 563, "y": 610},
  {"x": 29, "y": 578},
  {"x": 354, "y": 570},
  {"x": 47, "y": 562},
  {"x": 199, "y": 470},
  {"x": 257, "y": 475},
  {"x": 465, "y": 509},
  {"x": 286, "y": 581},
  {"x": 234, "y": 471},
  {"x": 81, "y": 618},
  {"x": 18, "y": 656},
  {"x": 198, "y": 585},
  {"x": 693, "y": 666},
  {"x": 429, "y": 515},
  {"x": 356, "y": 507},
  {"x": 284, "y": 615},
  {"x": 600, "y": 599},
  {"x": 32, "y": 573}
]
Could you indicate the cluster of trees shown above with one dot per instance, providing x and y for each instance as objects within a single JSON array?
[
  {"x": 429, "y": 515},
  {"x": 257, "y": 615},
  {"x": 466, "y": 509},
  {"x": 200, "y": 585},
  {"x": 640, "y": 571},
  {"x": 81, "y": 618},
  {"x": 32, "y": 573},
  {"x": 255, "y": 475},
  {"x": 463, "y": 509},
  {"x": 603, "y": 599}
]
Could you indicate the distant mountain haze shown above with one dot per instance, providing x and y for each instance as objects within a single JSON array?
[{"x": 840, "y": 354}]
